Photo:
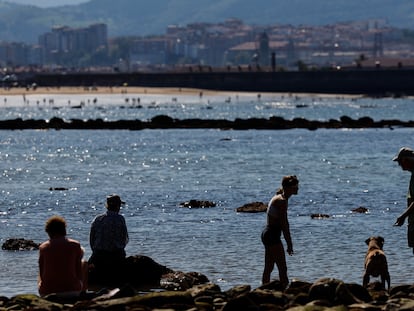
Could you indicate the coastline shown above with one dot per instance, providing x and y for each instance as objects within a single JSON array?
[
  {"x": 105, "y": 90},
  {"x": 323, "y": 294}
]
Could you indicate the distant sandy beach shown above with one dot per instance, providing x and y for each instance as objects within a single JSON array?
[
  {"x": 107, "y": 90},
  {"x": 149, "y": 90}
]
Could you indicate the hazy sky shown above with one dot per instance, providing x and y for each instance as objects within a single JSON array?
[{"x": 47, "y": 3}]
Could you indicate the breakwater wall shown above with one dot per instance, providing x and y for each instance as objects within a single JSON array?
[
  {"x": 377, "y": 82},
  {"x": 166, "y": 122}
]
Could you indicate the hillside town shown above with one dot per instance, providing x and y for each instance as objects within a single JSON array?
[{"x": 232, "y": 43}]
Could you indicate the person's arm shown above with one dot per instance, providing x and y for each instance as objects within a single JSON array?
[
  {"x": 125, "y": 229},
  {"x": 403, "y": 216},
  {"x": 78, "y": 264},
  {"x": 92, "y": 237},
  {"x": 40, "y": 264},
  {"x": 284, "y": 223}
]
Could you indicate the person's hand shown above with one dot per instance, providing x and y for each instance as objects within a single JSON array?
[
  {"x": 290, "y": 251},
  {"x": 400, "y": 221}
]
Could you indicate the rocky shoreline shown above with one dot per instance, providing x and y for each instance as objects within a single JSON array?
[
  {"x": 151, "y": 286},
  {"x": 166, "y": 122},
  {"x": 324, "y": 294}
]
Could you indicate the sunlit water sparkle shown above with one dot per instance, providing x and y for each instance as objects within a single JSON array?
[{"x": 155, "y": 170}]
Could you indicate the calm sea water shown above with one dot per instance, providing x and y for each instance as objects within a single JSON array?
[{"x": 155, "y": 170}]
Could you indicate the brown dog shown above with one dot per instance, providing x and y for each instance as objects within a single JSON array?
[{"x": 376, "y": 262}]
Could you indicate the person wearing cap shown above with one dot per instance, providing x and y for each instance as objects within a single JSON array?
[
  {"x": 405, "y": 159},
  {"x": 61, "y": 268},
  {"x": 108, "y": 238},
  {"x": 277, "y": 223}
]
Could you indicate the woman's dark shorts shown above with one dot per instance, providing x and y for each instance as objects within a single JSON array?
[{"x": 271, "y": 236}]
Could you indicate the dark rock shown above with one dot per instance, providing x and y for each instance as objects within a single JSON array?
[
  {"x": 377, "y": 291},
  {"x": 332, "y": 290},
  {"x": 324, "y": 294},
  {"x": 323, "y": 289},
  {"x": 361, "y": 210},
  {"x": 162, "y": 121},
  {"x": 365, "y": 122},
  {"x": 264, "y": 296},
  {"x": 138, "y": 271},
  {"x": 177, "y": 280},
  {"x": 31, "y": 302},
  {"x": 400, "y": 304},
  {"x": 143, "y": 270},
  {"x": 166, "y": 122},
  {"x": 19, "y": 245},
  {"x": 320, "y": 216},
  {"x": 301, "y": 299},
  {"x": 344, "y": 296},
  {"x": 359, "y": 292},
  {"x": 273, "y": 285},
  {"x": 158, "y": 300},
  {"x": 237, "y": 291},
  {"x": 197, "y": 204},
  {"x": 241, "y": 303},
  {"x": 254, "y": 207},
  {"x": 58, "y": 189},
  {"x": 56, "y": 123},
  {"x": 365, "y": 307},
  {"x": 297, "y": 287},
  {"x": 404, "y": 289},
  {"x": 208, "y": 289}
]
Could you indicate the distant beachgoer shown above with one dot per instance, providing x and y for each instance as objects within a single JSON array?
[
  {"x": 277, "y": 223},
  {"x": 61, "y": 268},
  {"x": 108, "y": 239},
  {"x": 405, "y": 159}
]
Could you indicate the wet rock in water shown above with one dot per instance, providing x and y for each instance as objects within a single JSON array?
[
  {"x": 254, "y": 207},
  {"x": 197, "y": 204},
  {"x": 58, "y": 189},
  {"x": 19, "y": 244},
  {"x": 320, "y": 216},
  {"x": 361, "y": 210}
]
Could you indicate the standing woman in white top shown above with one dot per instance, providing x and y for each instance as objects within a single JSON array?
[{"x": 277, "y": 223}]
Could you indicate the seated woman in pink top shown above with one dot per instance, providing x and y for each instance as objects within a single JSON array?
[{"x": 61, "y": 268}]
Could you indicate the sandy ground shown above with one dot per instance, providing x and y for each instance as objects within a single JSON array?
[
  {"x": 106, "y": 90},
  {"x": 150, "y": 90}
]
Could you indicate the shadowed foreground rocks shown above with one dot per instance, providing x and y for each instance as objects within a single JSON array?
[
  {"x": 324, "y": 294},
  {"x": 166, "y": 122}
]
